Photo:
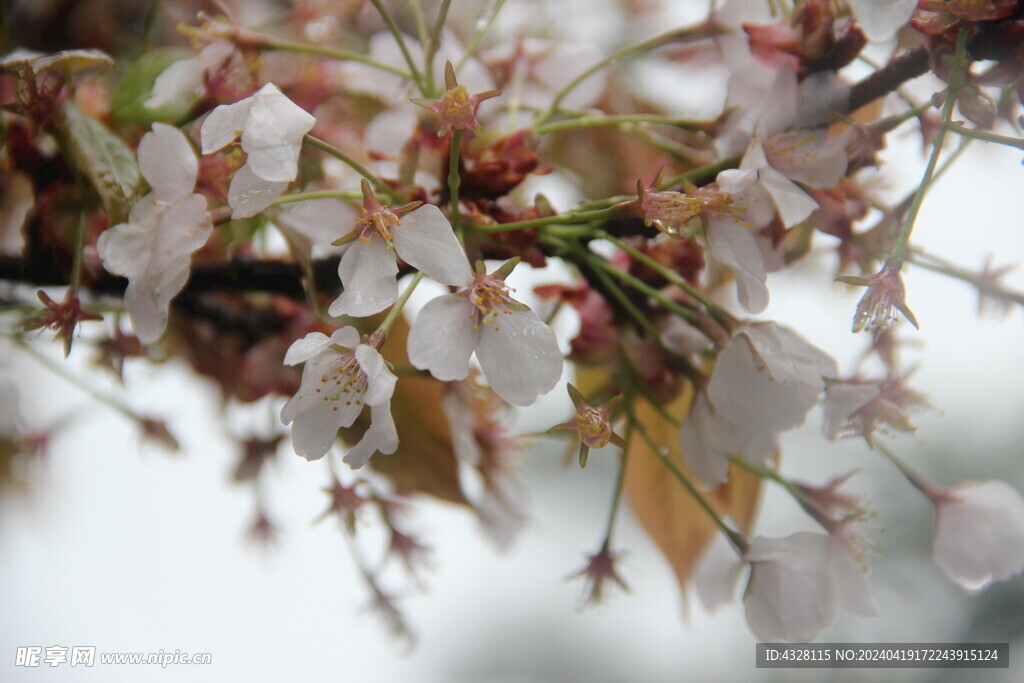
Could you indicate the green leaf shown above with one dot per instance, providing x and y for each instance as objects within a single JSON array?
[
  {"x": 103, "y": 158},
  {"x": 129, "y": 97}
]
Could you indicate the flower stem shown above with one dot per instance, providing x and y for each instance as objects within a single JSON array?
[
  {"x": 417, "y": 78},
  {"x": 615, "y": 120},
  {"x": 767, "y": 473},
  {"x": 454, "y": 180},
  {"x": 433, "y": 43},
  {"x": 937, "y": 265},
  {"x": 377, "y": 183},
  {"x": 701, "y": 173},
  {"x": 956, "y": 82},
  {"x": 735, "y": 537},
  {"x": 478, "y": 37},
  {"x": 271, "y": 43},
  {"x": 562, "y": 219},
  {"x": 76, "y": 263},
  {"x": 700, "y": 31},
  {"x": 642, "y": 287},
  {"x": 318, "y": 194},
  {"x": 620, "y": 479},
  {"x": 717, "y": 313},
  {"x": 393, "y": 314},
  {"x": 983, "y": 135},
  {"x": 931, "y": 492}
]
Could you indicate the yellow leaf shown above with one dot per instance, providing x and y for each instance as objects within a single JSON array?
[{"x": 665, "y": 509}]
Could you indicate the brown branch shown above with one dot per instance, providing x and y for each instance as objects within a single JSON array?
[{"x": 884, "y": 81}]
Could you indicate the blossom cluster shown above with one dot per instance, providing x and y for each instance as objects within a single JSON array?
[{"x": 272, "y": 203}]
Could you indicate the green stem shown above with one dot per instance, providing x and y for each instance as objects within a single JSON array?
[
  {"x": 562, "y": 219},
  {"x": 644, "y": 288},
  {"x": 983, "y": 135},
  {"x": 478, "y": 37},
  {"x": 377, "y": 183},
  {"x": 435, "y": 42},
  {"x": 717, "y": 313},
  {"x": 735, "y": 537},
  {"x": 931, "y": 492},
  {"x": 271, "y": 43},
  {"x": 454, "y": 180},
  {"x": 318, "y": 194},
  {"x": 396, "y": 310},
  {"x": 699, "y": 31},
  {"x": 615, "y": 120},
  {"x": 76, "y": 262},
  {"x": 797, "y": 494},
  {"x": 421, "y": 22},
  {"x": 701, "y": 173},
  {"x": 393, "y": 28},
  {"x": 956, "y": 81},
  {"x": 620, "y": 479},
  {"x": 937, "y": 265}
]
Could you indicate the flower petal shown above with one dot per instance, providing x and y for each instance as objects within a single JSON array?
[
  {"x": 380, "y": 437},
  {"x": 367, "y": 271},
  {"x": 794, "y": 204},
  {"x": 273, "y": 134},
  {"x": 168, "y": 163},
  {"x": 249, "y": 194},
  {"x": 425, "y": 241},
  {"x": 735, "y": 247},
  {"x": 519, "y": 356},
  {"x": 224, "y": 124},
  {"x": 303, "y": 349},
  {"x": 380, "y": 381},
  {"x": 442, "y": 337}
]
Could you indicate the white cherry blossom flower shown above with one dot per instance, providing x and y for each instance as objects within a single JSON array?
[
  {"x": 979, "y": 533},
  {"x": 796, "y": 588},
  {"x": 271, "y": 128},
  {"x": 154, "y": 248},
  {"x": 765, "y": 381},
  {"x": 189, "y": 76},
  {"x": 518, "y": 353},
  {"x": 770, "y": 167},
  {"x": 423, "y": 238},
  {"x": 340, "y": 378},
  {"x": 798, "y": 585}
]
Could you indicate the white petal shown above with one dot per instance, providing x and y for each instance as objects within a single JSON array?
[
  {"x": 314, "y": 417},
  {"x": 380, "y": 381},
  {"x": 380, "y": 437},
  {"x": 519, "y": 356},
  {"x": 442, "y": 337},
  {"x": 794, "y": 204},
  {"x": 249, "y": 194},
  {"x": 273, "y": 134},
  {"x": 367, "y": 271},
  {"x": 809, "y": 157},
  {"x": 788, "y": 596},
  {"x": 224, "y": 124},
  {"x": 303, "y": 349},
  {"x": 734, "y": 246},
  {"x": 168, "y": 163},
  {"x": 460, "y": 424},
  {"x": 849, "y": 581},
  {"x": 701, "y": 449},
  {"x": 346, "y": 337},
  {"x": 717, "y": 574},
  {"x": 842, "y": 400},
  {"x": 425, "y": 241},
  {"x": 979, "y": 533},
  {"x": 186, "y": 76},
  {"x": 744, "y": 392},
  {"x": 788, "y": 357},
  {"x": 155, "y": 256},
  {"x": 882, "y": 19}
]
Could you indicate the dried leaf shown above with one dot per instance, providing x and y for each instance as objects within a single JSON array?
[{"x": 665, "y": 509}]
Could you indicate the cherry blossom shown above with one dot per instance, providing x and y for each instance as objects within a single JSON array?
[
  {"x": 341, "y": 376},
  {"x": 189, "y": 76},
  {"x": 979, "y": 533},
  {"x": 424, "y": 239},
  {"x": 457, "y": 108},
  {"x": 796, "y": 588},
  {"x": 517, "y": 352},
  {"x": 154, "y": 247},
  {"x": 593, "y": 424},
  {"x": 271, "y": 128}
]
